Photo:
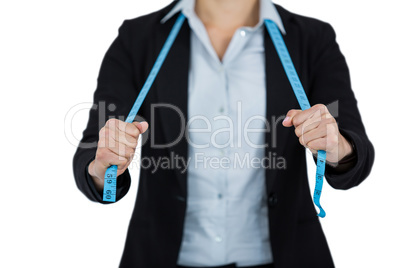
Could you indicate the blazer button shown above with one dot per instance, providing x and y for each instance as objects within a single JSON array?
[{"x": 272, "y": 200}]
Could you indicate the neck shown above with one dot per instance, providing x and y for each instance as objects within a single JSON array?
[{"x": 228, "y": 14}]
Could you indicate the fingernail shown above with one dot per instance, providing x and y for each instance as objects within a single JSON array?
[{"x": 286, "y": 119}]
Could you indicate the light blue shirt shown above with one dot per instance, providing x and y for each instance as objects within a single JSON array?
[{"x": 227, "y": 214}]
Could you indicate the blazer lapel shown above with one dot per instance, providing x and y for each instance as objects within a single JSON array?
[{"x": 172, "y": 91}]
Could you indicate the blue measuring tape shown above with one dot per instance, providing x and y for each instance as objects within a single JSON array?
[
  {"x": 297, "y": 87},
  {"x": 109, "y": 191}
]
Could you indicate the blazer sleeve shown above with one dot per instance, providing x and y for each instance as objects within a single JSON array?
[
  {"x": 330, "y": 85},
  {"x": 114, "y": 95}
]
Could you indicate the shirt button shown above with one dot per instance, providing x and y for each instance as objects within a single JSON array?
[
  {"x": 242, "y": 33},
  {"x": 220, "y": 196},
  {"x": 272, "y": 200},
  {"x": 221, "y": 110},
  {"x": 218, "y": 239}
]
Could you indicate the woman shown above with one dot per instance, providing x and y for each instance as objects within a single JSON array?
[{"x": 225, "y": 184}]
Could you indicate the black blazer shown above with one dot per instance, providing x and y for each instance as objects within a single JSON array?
[{"x": 155, "y": 230}]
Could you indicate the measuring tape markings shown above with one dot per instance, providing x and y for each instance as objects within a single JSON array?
[
  {"x": 109, "y": 192},
  {"x": 301, "y": 96},
  {"x": 109, "y": 189}
]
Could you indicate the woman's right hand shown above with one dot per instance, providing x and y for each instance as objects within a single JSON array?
[{"x": 116, "y": 146}]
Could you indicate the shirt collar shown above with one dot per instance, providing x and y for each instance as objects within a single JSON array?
[{"x": 267, "y": 11}]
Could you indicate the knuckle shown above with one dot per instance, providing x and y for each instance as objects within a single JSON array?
[
  {"x": 108, "y": 122},
  {"x": 101, "y": 141},
  {"x": 101, "y": 154},
  {"x": 301, "y": 140},
  {"x": 129, "y": 152},
  {"x": 332, "y": 140},
  {"x": 112, "y": 122},
  {"x": 121, "y": 125},
  {"x": 328, "y": 115},
  {"x": 136, "y": 131},
  {"x": 298, "y": 131},
  {"x": 332, "y": 127},
  {"x": 310, "y": 146},
  {"x": 297, "y": 121},
  {"x": 321, "y": 107},
  {"x": 132, "y": 146},
  {"x": 102, "y": 131},
  {"x": 124, "y": 162},
  {"x": 131, "y": 130},
  {"x": 329, "y": 120}
]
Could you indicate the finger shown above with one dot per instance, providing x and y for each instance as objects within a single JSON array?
[
  {"x": 114, "y": 123},
  {"x": 314, "y": 112},
  {"x": 129, "y": 129},
  {"x": 307, "y": 126},
  {"x": 133, "y": 129},
  {"x": 298, "y": 117},
  {"x": 122, "y": 150},
  {"x": 287, "y": 122},
  {"x": 109, "y": 142},
  {"x": 108, "y": 158},
  {"x": 328, "y": 143},
  {"x": 107, "y": 137},
  {"x": 317, "y": 144},
  {"x": 317, "y": 133},
  {"x": 110, "y": 137},
  {"x": 324, "y": 144},
  {"x": 127, "y": 139},
  {"x": 131, "y": 135},
  {"x": 313, "y": 123},
  {"x": 121, "y": 163}
]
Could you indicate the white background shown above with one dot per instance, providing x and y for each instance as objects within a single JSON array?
[{"x": 49, "y": 60}]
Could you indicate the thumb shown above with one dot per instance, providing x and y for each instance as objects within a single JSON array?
[{"x": 142, "y": 126}]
